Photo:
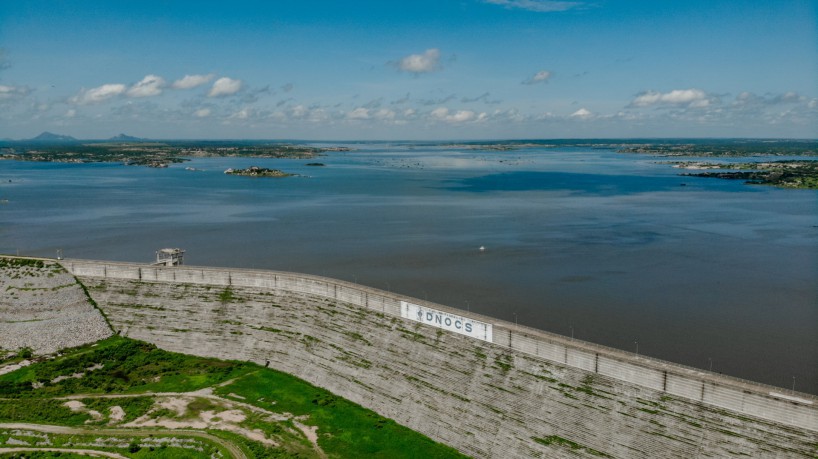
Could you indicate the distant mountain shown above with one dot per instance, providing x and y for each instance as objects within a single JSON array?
[
  {"x": 124, "y": 138},
  {"x": 51, "y": 137}
]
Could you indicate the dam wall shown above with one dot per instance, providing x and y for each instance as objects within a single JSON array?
[
  {"x": 44, "y": 309},
  {"x": 521, "y": 393}
]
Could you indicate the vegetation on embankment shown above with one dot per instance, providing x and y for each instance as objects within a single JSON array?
[
  {"x": 135, "y": 386},
  {"x": 128, "y": 366}
]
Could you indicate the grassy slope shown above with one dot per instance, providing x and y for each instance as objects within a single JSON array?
[{"x": 344, "y": 428}]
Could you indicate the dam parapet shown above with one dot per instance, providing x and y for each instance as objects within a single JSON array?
[{"x": 519, "y": 401}]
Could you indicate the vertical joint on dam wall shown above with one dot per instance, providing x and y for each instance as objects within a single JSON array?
[{"x": 743, "y": 397}]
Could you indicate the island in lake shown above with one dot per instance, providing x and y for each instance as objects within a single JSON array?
[
  {"x": 784, "y": 174},
  {"x": 152, "y": 153},
  {"x": 255, "y": 171},
  {"x": 798, "y": 168}
]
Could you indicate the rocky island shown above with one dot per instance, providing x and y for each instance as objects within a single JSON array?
[{"x": 255, "y": 171}]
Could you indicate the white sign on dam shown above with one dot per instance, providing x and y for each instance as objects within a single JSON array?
[{"x": 446, "y": 321}]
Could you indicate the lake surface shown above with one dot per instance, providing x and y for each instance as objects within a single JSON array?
[{"x": 611, "y": 247}]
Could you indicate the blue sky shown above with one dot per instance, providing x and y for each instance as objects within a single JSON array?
[{"x": 467, "y": 69}]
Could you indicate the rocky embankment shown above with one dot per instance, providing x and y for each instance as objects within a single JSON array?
[{"x": 42, "y": 307}]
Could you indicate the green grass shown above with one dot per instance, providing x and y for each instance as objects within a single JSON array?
[
  {"x": 258, "y": 451},
  {"x": 21, "y": 263},
  {"x": 128, "y": 366},
  {"x": 40, "y": 411},
  {"x": 227, "y": 296},
  {"x": 344, "y": 428},
  {"x": 290, "y": 445}
]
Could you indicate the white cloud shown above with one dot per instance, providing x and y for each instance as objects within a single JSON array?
[
  {"x": 242, "y": 114},
  {"x": 98, "y": 94},
  {"x": 224, "y": 87},
  {"x": 540, "y": 77},
  {"x": 299, "y": 111},
  {"x": 359, "y": 113},
  {"x": 536, "y": 5},
  {"x": 313, "y": 114},
  {"x": 427, "y": 62},
  {"x": 13, "y": 92},
  {"x": 150, "y": 86},
  {"x": 747, "y": 98},
  {"x": 788, "y": 98},
  {"x": 191, "y": 81},
  {"x": 318, "y": 115},
  {"x": 628, "y": 116},
  {"x": 689, "y": 97},
  {"x": 701, "y": 103},
  {"x": 202, "y": 113},
  {"x": 583, "y": 114},
  {"x": 440, "y": 112},
  {"x": 384, "y": 114},
  {"x": 70, "y": 113},
  {"x": 460, "y": 116},
  {"x": 511, "y": 115},
  {"x": 746, "y": 109}
]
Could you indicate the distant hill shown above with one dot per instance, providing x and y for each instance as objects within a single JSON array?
[
  {"x": 51, "y": 137},
  {"x": 124, "y": 138}
]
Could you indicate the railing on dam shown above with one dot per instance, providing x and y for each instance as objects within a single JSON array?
[{"x": 741, "y": 396}]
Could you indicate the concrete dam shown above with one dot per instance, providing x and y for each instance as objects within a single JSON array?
[{"x": 484, "y": 386}]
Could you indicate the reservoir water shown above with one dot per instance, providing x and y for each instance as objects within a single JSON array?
[{"x": 617, "y": 249}]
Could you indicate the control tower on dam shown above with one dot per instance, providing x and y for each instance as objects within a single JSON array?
[{"x": 484, "y": 386}]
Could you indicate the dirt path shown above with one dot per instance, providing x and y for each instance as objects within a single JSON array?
[{"x": 232, "y": 448}]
